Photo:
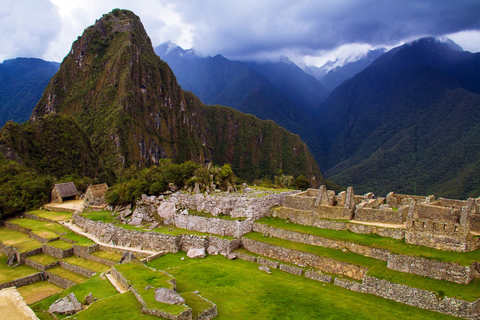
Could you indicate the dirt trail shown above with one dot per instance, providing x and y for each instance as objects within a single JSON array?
[
  {"x": 13, "y": 307},
  {"x": 379, "y": 224}
]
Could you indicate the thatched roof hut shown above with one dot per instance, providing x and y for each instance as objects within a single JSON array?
[
  {"x": 64, "y": 191},
  {"x": 95, "y": 194}
]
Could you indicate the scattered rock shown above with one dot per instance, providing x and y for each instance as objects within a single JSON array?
[
  {"x": 168, "y": 221},
  {"x": 344, "y": 250},
  {"x": 196, "y": 190},
  {"x": 154, "y": 225},
  {"x": 264, "y": 268},
  {"x": 182, "y": 258},
  {"x": 173, "y": 187},
  {"x": 232, "y": 256},
  {"x": 125, "y": 213},
  {"x": 244, "y": 185},
  {"x": 216, "y": 211},
  {"x": 12, "y": 260},
  {"x": 68, "y": 305},
  {"x": 185, "y": 211},
  {"x": 212, "y": 250},
  {"x": 127, "y": 257},
  {"x": 168, "y": 296},
  {"x": 196, "y": 253},
  {"x": 89, "y": 299},
  {"x": 136, "y": 221},
  {"x": 166, "y": 209},
  {"x": 148, "y": 288}
]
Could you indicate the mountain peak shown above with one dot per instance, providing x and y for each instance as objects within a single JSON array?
[{"x": 431, "y": 42}]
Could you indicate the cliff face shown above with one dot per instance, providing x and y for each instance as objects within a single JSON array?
[{"x": 129, "y": 103}]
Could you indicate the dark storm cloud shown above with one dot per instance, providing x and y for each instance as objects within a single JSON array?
[{"x": 247, "y": 27}]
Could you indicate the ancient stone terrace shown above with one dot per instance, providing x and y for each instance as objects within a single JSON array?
[{"x": 444, "y": 224}]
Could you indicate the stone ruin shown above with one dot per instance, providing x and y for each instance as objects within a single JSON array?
[{"x": 444, "y": 224}]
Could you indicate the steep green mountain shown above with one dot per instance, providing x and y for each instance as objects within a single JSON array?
[
  {"x": 22, "y": 81},
  {"x": 128, "y": 103},
  {"x": 408, "y": 123},
  {"x": 274, "y": 91}
]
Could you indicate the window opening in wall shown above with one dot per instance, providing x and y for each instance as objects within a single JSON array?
[
  {"x": 456, "y": 228},
  {"x": 424, "y": 224}
]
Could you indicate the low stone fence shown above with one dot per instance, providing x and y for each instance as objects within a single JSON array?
[
  {"x": 39, "y": 266},
  {"x": 16, "y": 227},
  {"x": 311, "y": 274},
  {"x": 431, "y": 268},
  {"x": 306, "y": 218},
  {"x": 23, "y": 281},
  {"x": 34, "y": 217},
  {"x": 413, "y": 296},
  {"x": 77, "y": 269},
  {"x": 223, "y": 227},
  {"x": 59, "y": 281},
  {"x": 314, "y": 240},
  {"x": 327, "y": 265},
  {"x": 235, "y": 205},
  {"x": 56, "y": 252}
]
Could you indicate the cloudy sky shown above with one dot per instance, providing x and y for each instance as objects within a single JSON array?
[{"x": 307, "y": 31}]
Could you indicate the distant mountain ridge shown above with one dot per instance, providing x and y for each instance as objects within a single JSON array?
[
  {"x": 22, "y": 81},
  {"x": 408, "y": 123},
  {"x": 129, "y": 105},
  {"x": 270, "y": 91}
]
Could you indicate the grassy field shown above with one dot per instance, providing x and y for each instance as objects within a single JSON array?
[
  {"x": 99, "y": 286},
  {"x": 43, "y": 259},
  {"x": 373, "y": 240},
  {"x": 108, "y": 255},
  {"x": 377, "y": 268},
  {"x": 60, "y": 244},
  {"x": 87, "y": 264},
  {"x": 67, "y": 274},
  {"x": 8, "y": 274},
  {"x": 38, "y": 291},
  {"x": 47, "y": 230},
  {"x": 241, "y": 291},
  {"x": 52, "y": 215},
  {"x": 19, "y": 240},
  {"x": 139, "y": 276}
]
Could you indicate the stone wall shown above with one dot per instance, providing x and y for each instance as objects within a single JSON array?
[
  {"x": 413, "y": 297},
  {"x": 474, "y": 221},
  {"x": 59, "y": 281},
  {"x": 291, "y": 269},
  {"x": 299, "y": 202},
  {"x": 56, "y": 252},
  {"x": 431, "y": 268},
  {"x": 39, "y": 266},
  {"x": 153, "y": 241},
  {"x": 314, "y": 275},
  {"x": 77, "y": 269},
  {"x": 23, "y": 281},
  {"x": 333, "y": 212},
  {"x": 235, "y": 205},
  {"x": 209, "y": 313},
  {"x": 385, "y": 215},
  {"x": 218, "y": 226},
  {"x": 324, "y": 264}
]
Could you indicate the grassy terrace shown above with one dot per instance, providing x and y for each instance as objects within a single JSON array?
[
  {"x": 38, "y": 291},
  {"x": 376, "y": 241},
  {"x": 60, "y": 244},
  {"x": 141, "y": 276},
  {"x": 241, "y": 291},
  {"x": 106, "y": 217},
  {"x": 379, "y": 269},
  {"x": 19, "y": 240},
  {"x": 52, "y": 215},
  {"x": 107, "y": 255},
  {"x": 99, "y": 286},
  {"x": 87, "y": 264},
  {"x": 8, "y": 274},
  {"x": 195, "y": 302},
  {"x": 43, "y": 259},
  {"x": 67, "y": 274}
]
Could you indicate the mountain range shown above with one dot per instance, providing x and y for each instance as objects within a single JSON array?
[{"x": 125, "y": 103}]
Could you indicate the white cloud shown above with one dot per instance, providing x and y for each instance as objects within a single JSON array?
[{"x": 469, "y": 40}]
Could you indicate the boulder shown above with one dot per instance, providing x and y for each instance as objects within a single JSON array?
[
  {"x": 89, "y": 299},
  {"x": 68, "y": 305},
  {"x": 216, "y": 211},
  {"x": 232, "y": 256},
  {"x": 127, "y": 257},
  {"x": 136, "y": 221},
  {"x": 168, "y": 221},
  {"x": 168, "y": 296},
  {"x": 166, "y": 209},
  {"x": 212, "y": 250},
  {"x": 196, "y": 253}
]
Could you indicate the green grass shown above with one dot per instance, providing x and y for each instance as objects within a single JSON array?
[
  {"x": 79, "y": 240},
  {"x": 108, "y": 255},
  {"x": 141, "y": 276},
  {"x": 373, "y": 240},
  {"x": 197, "y": 303},
  {"x": 43, "y": 259},
  {"x": 120, "y": 306},
  {"x": 378, "y": 268},
  {"x": 241, "y": 291},
  {"x": 67, "y": 274},
  {"x": 19, "y": 240},
  {"x": 8, "y": 274},
  {"x": 46, "y": 230},
  {"x": 98, "y": 285},
  {"x": 60, "y": 244},
  {"x": 52, "y": 215},
  {"x": 87, "y": 264},
  {"x": 38, "y": 291}
]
